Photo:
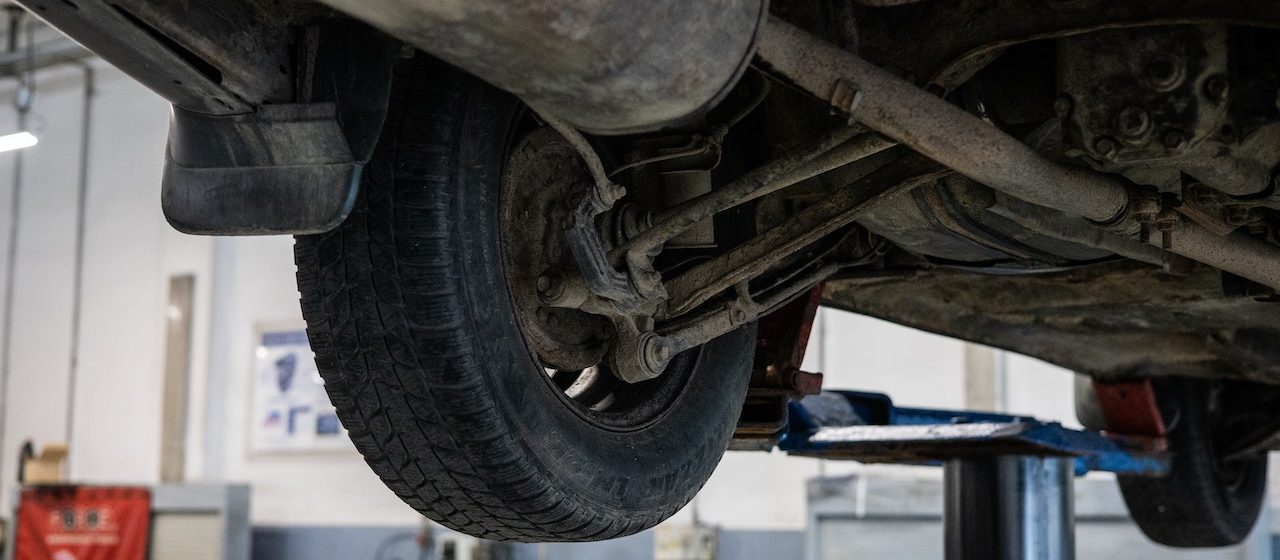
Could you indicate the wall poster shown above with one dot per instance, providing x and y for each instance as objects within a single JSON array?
[{"x": 291, "y": 411}]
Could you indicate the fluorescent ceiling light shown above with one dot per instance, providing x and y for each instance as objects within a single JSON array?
[{"x": 17, "y": 141}]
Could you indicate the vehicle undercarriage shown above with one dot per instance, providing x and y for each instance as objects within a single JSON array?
[{"x": 1090, "y": 183}]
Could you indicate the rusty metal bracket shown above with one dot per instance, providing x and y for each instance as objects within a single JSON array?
[
  {"x": 1129, "y": 407},
  {"x": 847, "y": 96},
  {"x": 776, "y": 378}
]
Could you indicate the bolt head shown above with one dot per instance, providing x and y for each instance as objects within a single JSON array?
[
  {"x": 1216, "y": 88},
  {"x": 656, "y": 352},
  {"x": 1165, "y": 72},
  {"x": 1062, "y": 106},
  {"x": 1174, "y": 139},
  {"x": 613, "y": 192},
  {"x": 550, "y": 287},
  {"x": 1106, "y": 147},
  {"x": 662, "y": 352},
  {"x": 1133, "y": 122}
]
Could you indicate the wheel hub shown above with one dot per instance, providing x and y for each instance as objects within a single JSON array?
[{"x": 540, "y": 179}]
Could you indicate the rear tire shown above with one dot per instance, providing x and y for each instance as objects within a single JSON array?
[
  {"x": 1203, "y": 501},
  {"x": 415, "y": 332}
]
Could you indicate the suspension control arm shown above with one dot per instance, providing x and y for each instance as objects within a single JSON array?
[
  {"x": 836, "y": 148},
  {"x": 761, "y": 253}
]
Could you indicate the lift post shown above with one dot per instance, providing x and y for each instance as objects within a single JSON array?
[
  {"x": 1007, "y": 479},
  {"x": 1008, "y": 507}
]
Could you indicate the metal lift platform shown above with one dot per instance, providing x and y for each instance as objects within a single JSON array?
[{"x": 1007, "y": 479}]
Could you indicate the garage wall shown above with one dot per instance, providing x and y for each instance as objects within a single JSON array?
[
  {"x": 40, "y": 410},
  {"x": 129, "y": 254},
  {"x": 254, "y": 285}
]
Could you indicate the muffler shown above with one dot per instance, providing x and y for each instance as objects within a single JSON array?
[{"x": 605, "y": 66}]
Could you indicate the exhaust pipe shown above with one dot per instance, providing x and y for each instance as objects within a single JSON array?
[{"x": 605, "y": 66}]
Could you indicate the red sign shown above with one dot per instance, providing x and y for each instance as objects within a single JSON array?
[{"x": 83, "y": 523}]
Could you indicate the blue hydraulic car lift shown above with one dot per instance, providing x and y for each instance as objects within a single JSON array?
[{"x": 1008, "y": 479}]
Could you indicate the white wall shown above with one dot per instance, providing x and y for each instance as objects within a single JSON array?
[
  {"x": 256, "y": 287},
  {"x": 129, "y": 254}
]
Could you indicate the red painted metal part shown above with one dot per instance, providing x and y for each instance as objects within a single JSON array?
[
  {"x": 776, "y": 378},
  {"x": 781, "y": 340},
  {"x": 1129, "y": 407},
  {"x": 808, "y": 311}
]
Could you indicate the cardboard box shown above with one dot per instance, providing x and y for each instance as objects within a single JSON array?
[{"x": 49, "y": 467}]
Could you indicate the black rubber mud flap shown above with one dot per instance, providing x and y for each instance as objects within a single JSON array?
[{"x": 284, "y": 168}]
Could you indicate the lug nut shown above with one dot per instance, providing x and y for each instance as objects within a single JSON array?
[{"x": 1133, "y": 122}]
